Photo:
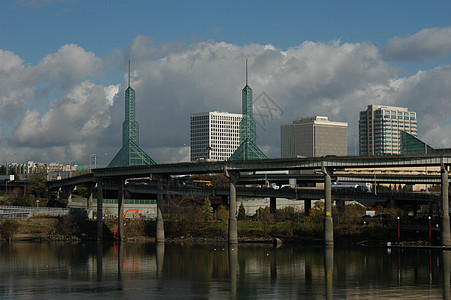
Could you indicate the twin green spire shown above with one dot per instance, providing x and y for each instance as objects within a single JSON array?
[
  {"x": 248, "y": 148},
  {"x": 130, "y": 153}
]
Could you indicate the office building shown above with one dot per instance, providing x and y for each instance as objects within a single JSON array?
[
  {"x": 380, "y": 128},
  {"x": 214, "y": 135},
  {"x": 314, "y": 137}
]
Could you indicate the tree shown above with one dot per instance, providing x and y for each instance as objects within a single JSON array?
[
  {"x": 223, "y": 214},
  {"x": 81, "y": 190},
  {"x": 13, "y": 172},
  {"x": 207, "y": 210},
  {"x": 82, "y": 172},
  {"x": 2, "y": 170},
  {"x": 265, "y": 217},
  {"x": 8, "y": 229},
  {"x": 37, "y": 182},
  {"x": 241, "y": 212}
]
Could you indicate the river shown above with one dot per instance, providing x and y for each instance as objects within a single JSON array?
[{"x": 251, "y": 271}]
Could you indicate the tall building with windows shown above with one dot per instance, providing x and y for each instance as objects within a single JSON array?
[
  {"x": 380, "y": 128},
  {"x": 313, "y": 137},
  {"x": 214, "y": 135}
]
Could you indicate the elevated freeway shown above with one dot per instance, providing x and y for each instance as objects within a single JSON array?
[
  {"x": 314, "y": 163},
  {"x": 297, "y": 193},
  {"x": 235, "y": 169}
]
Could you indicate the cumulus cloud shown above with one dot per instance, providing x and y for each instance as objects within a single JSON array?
[
  {"x": 81, "y": 114},
  {"x": 314, "y": 78},
  {"x": 421, "y": 46},
  {"x": 333, "y": 79},
  {"x": 65, "y": 68}
]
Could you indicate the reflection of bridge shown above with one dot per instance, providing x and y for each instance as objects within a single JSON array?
[{"x": 234, "y": 169}]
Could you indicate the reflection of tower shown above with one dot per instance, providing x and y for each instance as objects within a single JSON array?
[
  {"x": 130, "y": 153},
  {"x": 248, "y": 148}
]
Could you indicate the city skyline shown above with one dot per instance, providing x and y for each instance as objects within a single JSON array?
[{"x": 62, "y": 80}]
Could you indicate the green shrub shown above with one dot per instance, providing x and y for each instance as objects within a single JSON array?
[
  {"x": 241, "y": 212},
  {"x": 74, "y": 223}
]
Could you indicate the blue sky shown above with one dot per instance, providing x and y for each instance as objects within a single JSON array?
[
  {"x": 64, "y": 64},
  {"x": 32, "y": 29}
]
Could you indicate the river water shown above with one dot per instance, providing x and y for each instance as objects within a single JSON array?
[{"x": 174, "y": 271}]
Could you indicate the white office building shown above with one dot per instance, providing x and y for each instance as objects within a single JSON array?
[
  {"x": 380, "y": 129},
  {"x": 214, "y": 135}
]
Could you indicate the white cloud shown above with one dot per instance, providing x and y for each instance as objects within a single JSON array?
[
  {"x": 421, "y": 46},
  {"x": 337, "y": 80},
  {"x": 70, "y": 65},
  {"x": 81, "y": 114}
]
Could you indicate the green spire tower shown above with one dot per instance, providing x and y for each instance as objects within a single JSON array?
[
  {"x": 130, "y": 153},
  {"x": 248, "y": 148}
]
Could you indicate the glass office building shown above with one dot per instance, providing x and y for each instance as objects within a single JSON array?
[
  {"x": 412, "y": 145},
  {"x": 380, "y": 128}
]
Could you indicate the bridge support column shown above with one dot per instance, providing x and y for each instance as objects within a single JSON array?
[
  {"x": 445, "y": 230},
  {"x": 99, "y": 210},
  {"x": 328, "y": 222},
  {"x": 307, "y": 207},
  {"x": 68, "y": 191},
  {"x": 159, "y": 237},
  {"x": 272, "y": 205},
  {"x": 233, "y": 223},
  {"x": 89, "y": 200},
  {"x": 120, "y": 210}
]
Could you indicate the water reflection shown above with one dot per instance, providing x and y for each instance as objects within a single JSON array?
[
  {"x": 446, "y": 259},
  {"x": 124, "y": 270},
  {"x": 328, "y": 270},
  {"x": 233, "y": 264}
]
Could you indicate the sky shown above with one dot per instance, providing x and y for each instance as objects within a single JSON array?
[{"x": 64, "y": 70}]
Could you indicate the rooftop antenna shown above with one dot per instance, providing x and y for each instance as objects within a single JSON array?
[
  {"x": 246, "y": 71},
  {"x": 128, "y": 73}
]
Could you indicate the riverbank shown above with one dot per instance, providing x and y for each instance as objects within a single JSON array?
[{"x": 76, "y": 228}]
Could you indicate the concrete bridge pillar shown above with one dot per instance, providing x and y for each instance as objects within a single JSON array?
[
  {"x": 445, "y": 230},
  {"x": 328, "y": 222},
  {"x": 233, "y": 223},
  {"x": 90, "y": 188},
  {"x": 159, "y": 237},
  {"x": 68, "y": 191},
  {"x": 99, "y": 210},
  {"x": 120, "y": 210},
  {"x": 272, "y": 205}
]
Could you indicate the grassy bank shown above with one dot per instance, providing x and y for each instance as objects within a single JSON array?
[{"x": 349, "y": 225}]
